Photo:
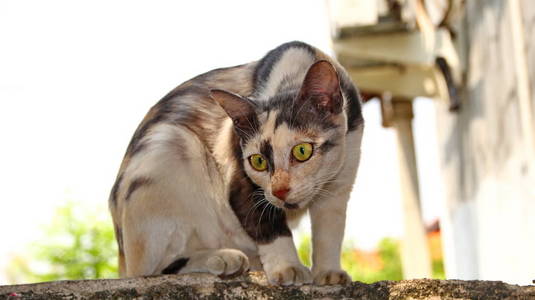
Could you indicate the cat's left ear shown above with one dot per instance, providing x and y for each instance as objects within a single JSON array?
[
  {"x": 240, "y": 110},
  {"x": 322, "y": 87}
]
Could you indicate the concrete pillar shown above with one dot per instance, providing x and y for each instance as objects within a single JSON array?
[
  {"x": 415, "y": 254},
  {"x": 523, "y": 88}
]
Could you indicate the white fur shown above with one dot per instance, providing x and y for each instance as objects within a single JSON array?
[
  {"x": 185, "y": 188},
  {"x": 282, "y": 264},
  {"x": 217, "y": 262},
  {"x": 185, "y": 212},
  {"x": 328, "y": 214},
  {"x": 292, "y": 65}
]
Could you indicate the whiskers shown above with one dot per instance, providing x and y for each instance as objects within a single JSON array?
[
  {"x": 324, "y": 193},
  {"x": 319, "y": 188},
  {"x": 245, "y": 134},
  {"x": 266, "y": 207},
  {"x": 259, "y": 197},
  {"x": 273, "y": 210}
]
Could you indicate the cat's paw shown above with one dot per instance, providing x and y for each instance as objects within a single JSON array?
[
  {"x": 290, "y": 275},
  {"x": 332, "y": 277},
  {"x": 228, "y": 263}
]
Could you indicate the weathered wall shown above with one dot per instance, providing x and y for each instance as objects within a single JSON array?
[
  {"x": 487, "y": 148},
  {"x": 528, "y": 22},
  {"x": 204, "y": 286}
]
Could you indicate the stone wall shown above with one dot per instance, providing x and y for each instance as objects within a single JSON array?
[{"x": 253, "y": 286}]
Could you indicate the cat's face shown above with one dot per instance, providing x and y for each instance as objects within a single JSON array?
[
  {"x": 291, "y": 164},
  {"x": 292, "y": 144}
]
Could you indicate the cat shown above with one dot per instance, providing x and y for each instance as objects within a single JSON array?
[{"x": 224, "y": 165}]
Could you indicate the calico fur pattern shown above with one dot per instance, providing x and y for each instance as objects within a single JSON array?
[{"x": 185, "y": 198}]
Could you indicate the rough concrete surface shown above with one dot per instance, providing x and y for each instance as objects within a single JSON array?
[{"x": 254, "y": 286}]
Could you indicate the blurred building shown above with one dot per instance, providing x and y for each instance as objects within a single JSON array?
[{"x": 476, "y": 60}]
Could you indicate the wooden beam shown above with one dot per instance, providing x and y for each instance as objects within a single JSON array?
[
  {"x": 399, "y": 47},
  {"x": 401, "y": 81}
]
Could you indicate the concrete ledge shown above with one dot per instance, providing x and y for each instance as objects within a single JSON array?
[{"x": 254, "y": 286}]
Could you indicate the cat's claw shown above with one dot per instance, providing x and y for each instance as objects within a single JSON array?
[
  {"x": 290, "y": 275},
  {"x": 332, "y": 277},
  {"x": 228, "y": 263}
]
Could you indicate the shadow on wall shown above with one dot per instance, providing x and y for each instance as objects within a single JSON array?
[{"x": 482, "y": 135}]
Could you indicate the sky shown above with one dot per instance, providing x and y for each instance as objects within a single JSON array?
[{"x": 77, "y": 77}]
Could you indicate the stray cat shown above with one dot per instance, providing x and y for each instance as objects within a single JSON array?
[{"x": 219, "y": 168}]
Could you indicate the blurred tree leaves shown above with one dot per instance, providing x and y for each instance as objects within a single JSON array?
[
  {"x": 368, "y": 267},
  {"x": 385, "y": 264},
  {"x": 79, "y": 244},
  {"x": 387, "y": 268}
]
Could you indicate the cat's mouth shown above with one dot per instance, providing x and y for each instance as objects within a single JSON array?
[
  {"x": 294, "y": 205},
  {"x": 285, "y": 205},
  {"x": 291, "y": 205}
]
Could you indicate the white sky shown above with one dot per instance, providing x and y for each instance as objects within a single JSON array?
[{"x": 76, "y": 78}]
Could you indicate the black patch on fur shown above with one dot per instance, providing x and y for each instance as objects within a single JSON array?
[
  {"x": 353, "y": 100},
  {"x": 241, "y": 110},
  {"x": 298, "y": 115},
  {"x": 326, "y": 146},
  {"x": 115, "y": 189},
  {"x": 267, "y": 151},
  {"x": 136, "y": 184},
  {"x": 354, "y": 103},
  {"x": 176, "y": 266},
  {"x": 135, "y": 145},
  {"x": 168, "y": 109},
  {"x": 246, "y": 127},
  {"x": 262, "y": 221},
  {"x": 302, "y": 115},
  {"x": 265, "y": 65}
]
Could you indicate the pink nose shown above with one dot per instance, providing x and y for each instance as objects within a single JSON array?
[{"x": 282, "y": 193}]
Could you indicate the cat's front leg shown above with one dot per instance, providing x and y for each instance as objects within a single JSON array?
[
  {"x": 281, "y": 263},
  {"x": 328, "y": 223}
]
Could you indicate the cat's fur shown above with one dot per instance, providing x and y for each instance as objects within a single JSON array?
[{"x": 186, "y": 198}]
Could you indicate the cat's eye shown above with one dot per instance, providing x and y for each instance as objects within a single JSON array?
[
  {"x": 258, "y": 162},
  {"x": 303, "y": 151}
]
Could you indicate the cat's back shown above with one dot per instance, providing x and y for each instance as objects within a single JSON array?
[
  {"x": 184, "y": 116},
  {"x": 189, "y": 107}
]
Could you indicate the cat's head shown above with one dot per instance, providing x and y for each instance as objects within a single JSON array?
[{"x": 293, "y": 143}]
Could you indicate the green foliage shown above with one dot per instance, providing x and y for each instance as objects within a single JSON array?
[
  {"x": 385, "y": 265},
  {"x": 370, "y": 267},
  {"x": 438, "y": 269},
  {"x": 389, "y": 262},
  {"x": 79, "y": 244},
  {"x": 304, "y": 251}
]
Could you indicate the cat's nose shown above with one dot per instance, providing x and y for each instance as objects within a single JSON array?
[{"x": 282, "y": 193}]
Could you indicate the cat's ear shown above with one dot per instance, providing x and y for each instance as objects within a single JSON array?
[
  {"x": 240, "y": 110},
  {"x": 322, "y": 87}
]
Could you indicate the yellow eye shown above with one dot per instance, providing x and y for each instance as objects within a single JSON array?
[
  {"x": 303, "y": 151},
  {"x": 258, "y": 162}
]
